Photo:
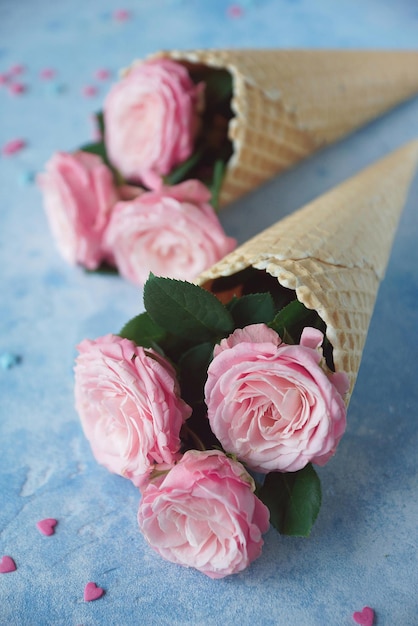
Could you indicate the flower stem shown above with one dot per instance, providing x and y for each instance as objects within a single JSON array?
[{"x": 199, "y": 443}]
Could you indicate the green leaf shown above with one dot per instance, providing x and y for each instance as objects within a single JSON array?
[
  {"x": 199, "y": 427},
  {"x": 218, "y": 87},
  {"x": 254, "y": 308},
  {"x": 143, "y": 331},
  {"x": 98, "y": 148},
  {"x": 180, "y": 173},
  {"x": 104, "y": 268},
  {"x": 100, "y": 123},
  {"x": 292, "y": 319},
  {"x": 194, "y": 370},
  {"x": 186, "y": 310},
  {"x": 218, "y": 175},
  {"x": 294, "y": 500}
]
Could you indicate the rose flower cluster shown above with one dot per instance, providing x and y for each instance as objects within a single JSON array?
[
  {"x": 215, "y": 418},
  {"x": 143, "y": 197}
]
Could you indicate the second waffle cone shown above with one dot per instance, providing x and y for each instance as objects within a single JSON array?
[{"x": 333, "y": 252}]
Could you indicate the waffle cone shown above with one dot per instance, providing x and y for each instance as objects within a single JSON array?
[
  {"x": 288, "y": 103},
  {"x": 333, "y": 252}
]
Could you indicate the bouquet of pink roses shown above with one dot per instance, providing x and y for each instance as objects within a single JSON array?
[
  {"x": 216, "y": 402},
  {"x": 183, "y": 132},
  {"x": 194, "y": 400},
  {"x": 143, "y": 197}
]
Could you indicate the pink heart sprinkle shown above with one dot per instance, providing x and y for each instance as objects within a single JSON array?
[
  {"x": 364, "y": 617},
  {"x": 17, "y": 69},
  {"x": 7, "y": 565},
  {"x": 17, "y": 88},
  {"x": 235, "y": 11},
  {"x": 89, "y": 91},
  {"x": 102, "y": 74},
  {"x": 13, "y": 146},
  {"x": 92, "y": 592},
  {"x": 47, "y": 526},
  {"x": 121, "y": 15},
  {"x": 47, "y": 73}
]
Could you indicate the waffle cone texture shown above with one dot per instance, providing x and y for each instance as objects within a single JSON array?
[
  {"x": 333, "y": 252},
  {"x": 289, "y": 103}
]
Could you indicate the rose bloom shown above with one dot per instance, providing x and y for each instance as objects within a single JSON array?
[
  {"x": 272, "y": 404},
  {"x": 172, "y": 231},
  {"x": 128, "y": 401},
  {"x": 78, "y": 194},
  {"x": 204, "y": 514},
  {"x": 151, "y": 118}
]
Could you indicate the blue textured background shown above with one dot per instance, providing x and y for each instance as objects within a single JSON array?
[{"x": 363, "y": 547}]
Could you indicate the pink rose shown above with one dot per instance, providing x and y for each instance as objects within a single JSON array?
[
  {"x": 204, "y": 514},
  {"x": 151, "y": 117},
  {"x": 171, "y": 232},
  {"x": 78, "y": 194},
  {"x": 129, "y": 405},
  {"x": 273, "y": 404}
]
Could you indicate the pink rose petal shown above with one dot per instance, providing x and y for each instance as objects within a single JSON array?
[
  {"x": 13, "y": 146},
  {"x": 47, "y": 526},
  {"x": 92, "y": 592},
  {"x": 364, "y": 617},
  {"x": 7, "y": 565},
  {"x": 4, "y": 79}
]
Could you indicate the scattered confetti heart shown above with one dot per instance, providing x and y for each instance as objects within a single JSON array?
[
  {"x": 92, "y": 592},
  {"x": 47, "y": 73},
  {"x": 16, "y": 89},
  {"x": 17, "y": 69},
  {"x": 13, "y": 146},
  {"x": 121, "y": 15},
  {"x": 235, "y": 11},
  {"x": 47, "y": 526},
  {"x": 102, "y": 74},
  {"x": 7, "y": 565},
  {"x": 89, "y": 91},
  {"x": 364, "y": 617}
]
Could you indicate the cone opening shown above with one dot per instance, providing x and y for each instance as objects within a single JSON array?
[{"x": 254, "y": 281}]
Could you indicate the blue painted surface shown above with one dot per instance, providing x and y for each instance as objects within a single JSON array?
[{"x": 363, "y": 547}]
